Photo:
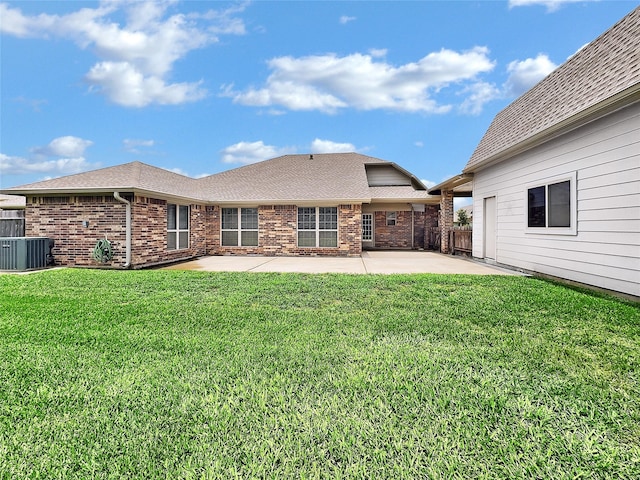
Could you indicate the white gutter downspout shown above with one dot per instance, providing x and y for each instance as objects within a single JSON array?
[
  {"x": 413, "y": 236},
  {"x": 117, "y": 196}
]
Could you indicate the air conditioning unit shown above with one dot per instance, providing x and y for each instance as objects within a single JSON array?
[{"x": 24, "y": 253}]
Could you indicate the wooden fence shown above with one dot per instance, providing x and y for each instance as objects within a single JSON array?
[
  {"x": 432, "y": 238},
  {"x": 460, "y": 240},
  {"x": 11, "y": 223}
]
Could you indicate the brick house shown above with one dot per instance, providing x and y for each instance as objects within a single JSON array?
[{"x": 321, "y": 204}]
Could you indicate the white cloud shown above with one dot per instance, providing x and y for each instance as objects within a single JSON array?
[
  {"x": 378, "y": 52},
  {"x": 143, "y": 50},
  {"x": 552, "y": 5},
  {"x": 251, "y": 152},
  {"x": 526, "y": 73},
  {"x": 68, "y": 146},
  {"x": 419, "y": 144},
  {"x": 16, "y": 24},
  {"x": 428, "y": 183},
  {"x": 132, "y": 145},
  {"x": 129, "y": 87},
  {"x": 32, "y": 103},
  {"x": 177, "y": 170},
  {"x": 328, "y": 83},
  {"x": 180, "y": 171},
  {"x": 62, "y": 166},
  {"x": 327, "y": 146},
  {"x": 477, "y": 95},
  {"x": 62, "y": 156},
  {"x": 344, "y": 19}
]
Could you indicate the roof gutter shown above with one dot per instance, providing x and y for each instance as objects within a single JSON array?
[
  {"x": 127, "y": 203},
  {"x": 64, "y": 191}
]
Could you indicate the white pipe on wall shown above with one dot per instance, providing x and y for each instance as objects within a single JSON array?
[{"x": 127, "y": 203}]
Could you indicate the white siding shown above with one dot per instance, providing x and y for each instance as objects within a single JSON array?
[
  {"x": 385, "y": 175},
  {"x": 605, "y": 252}
]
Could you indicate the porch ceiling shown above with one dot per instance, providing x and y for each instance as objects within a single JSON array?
[{"x": 461, "y": 185}]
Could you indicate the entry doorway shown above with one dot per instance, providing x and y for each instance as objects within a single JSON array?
[
  {"x": 367, "y": 230},
  {"x": 490, "y": 228}
]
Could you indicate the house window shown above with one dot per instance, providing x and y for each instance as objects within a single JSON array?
[
  {"x": 391, "y": 219},
  {"x": 240, "y": 227},
  {"x": 177, "y": 226},
  {"x": 551, "y": 207},
  {"x": 317, "y": 227}
]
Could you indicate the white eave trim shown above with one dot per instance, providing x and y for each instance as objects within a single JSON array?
[
  {"x": 109, "y": 191},
  {"x": 318, "y": 202},
  {"x": 452, "y": 183}
]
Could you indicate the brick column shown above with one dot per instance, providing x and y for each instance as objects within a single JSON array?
[{"x": 446, "y": 219}]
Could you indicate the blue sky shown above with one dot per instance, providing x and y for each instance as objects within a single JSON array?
[{"x": 200, "y": 87}]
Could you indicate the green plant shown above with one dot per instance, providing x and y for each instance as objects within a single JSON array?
[{"x": 463, "y": 217}]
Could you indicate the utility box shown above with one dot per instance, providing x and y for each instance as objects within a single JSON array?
[{"x": 23, "y": 253}]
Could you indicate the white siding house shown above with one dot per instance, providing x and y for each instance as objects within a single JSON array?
[{"x": 556, "y": 178}]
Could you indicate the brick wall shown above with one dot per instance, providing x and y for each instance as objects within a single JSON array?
[
  {"x": 149, "y": 233},
  {"x": 393, "y": 236},
  {"x": 422, "y": 222},
  {"x": 278, "y": 233},
  {"x": 61, "y": 218},
  {"x": 399, "y": 235}
]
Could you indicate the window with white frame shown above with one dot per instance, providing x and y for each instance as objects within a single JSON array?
[
  {"x": 551, "y": 206},
  {"x": 391, "y": 219},
  {"x": 318, "y": 227},
  {"x": 239, "y": 227},
  {"x": 177, "y": 226}
]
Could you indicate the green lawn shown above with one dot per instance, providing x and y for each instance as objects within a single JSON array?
[{"x": 168, "y": 374}]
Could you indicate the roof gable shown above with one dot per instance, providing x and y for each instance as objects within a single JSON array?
[{"x": 606, "y": 67}]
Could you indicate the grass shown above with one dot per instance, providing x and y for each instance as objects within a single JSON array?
[{"x": 166, "y": 374}]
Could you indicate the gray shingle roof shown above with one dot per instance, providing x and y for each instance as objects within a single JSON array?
[
  {"x": 400, "y": 194},
  {"x": 125, "y": 177},
  {"x": 336, "y": 177},
  {"x": 339, "y": 176},
  {"x": 604, "y": 68}
]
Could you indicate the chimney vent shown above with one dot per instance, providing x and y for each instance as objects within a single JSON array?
[{"x": 311, "y": 157}]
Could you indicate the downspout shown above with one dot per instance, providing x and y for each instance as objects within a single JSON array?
[
  {"x": 117, "y": 196},
  {"x": 413, "y": 235}
]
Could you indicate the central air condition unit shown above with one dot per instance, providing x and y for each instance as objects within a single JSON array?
[{"x": 24, "y": 253}]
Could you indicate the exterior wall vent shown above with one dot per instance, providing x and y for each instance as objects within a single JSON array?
[{"x": 23, "y": 253}]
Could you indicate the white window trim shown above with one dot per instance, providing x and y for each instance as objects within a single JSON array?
[
  {"x": 179, "y": 230},
  {"x": 317, "y": 229},
  {"x": 572, "y": 229},
  {"x": 391, "y": 217},
  {"x": 240, "y": 230}
]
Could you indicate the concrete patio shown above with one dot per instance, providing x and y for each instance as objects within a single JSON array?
[{"x": 375, "y": 262}]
